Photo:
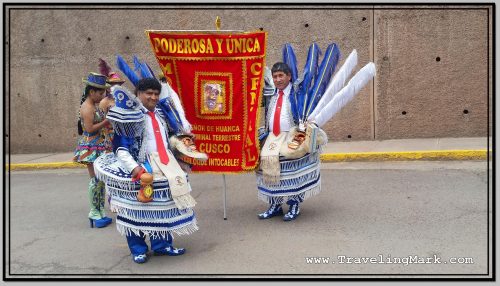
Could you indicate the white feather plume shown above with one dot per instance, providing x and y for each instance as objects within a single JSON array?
[
  {"x": 268, "y": 77},
  {"x": 168, "y": 92},
  {"x": 338, "y": 81},
  {"x": 346, "y": 94}
]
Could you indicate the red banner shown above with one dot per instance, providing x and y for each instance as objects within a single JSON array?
[{"x": 218, "y": 77}]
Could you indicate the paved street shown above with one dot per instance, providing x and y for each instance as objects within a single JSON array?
[{"x": 382, "y": 210}]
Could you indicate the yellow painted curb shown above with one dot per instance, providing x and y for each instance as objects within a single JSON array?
[
  {"x": 42, "y": 166},
  {"x": 444, "y": 155}
]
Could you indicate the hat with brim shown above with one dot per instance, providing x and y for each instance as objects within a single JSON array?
[
  {"x": 126, "y": 115},
  {"x": 96, "y": 80},
  {"x": 114, "y": 78}
]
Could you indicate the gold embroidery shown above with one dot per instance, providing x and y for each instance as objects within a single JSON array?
[{"x": 245, "y": 110}]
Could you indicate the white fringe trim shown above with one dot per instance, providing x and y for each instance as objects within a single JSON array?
[
  {"x": 183, "y": 215},
  {"x": 280, "y": 199},
  {"x": 159, "y": 194},
  {"x": 151, "y": 206},
  {"x": 285, "y": 182},
  {"x": 145, "y": 214},
  {"x": 187, "y": 229},
  {"x": 293, "y": 165},
  {"x": 116, "y": 182}
]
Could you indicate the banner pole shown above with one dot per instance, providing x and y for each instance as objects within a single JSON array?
[{"x": 224, "y": 195}]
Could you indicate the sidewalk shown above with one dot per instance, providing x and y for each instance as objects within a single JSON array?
[{"x": 385, "y": 150}]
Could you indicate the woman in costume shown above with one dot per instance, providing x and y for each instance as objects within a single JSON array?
[
  {"x": 92, "y": 144},
  {"x": 296, "y": 109}
]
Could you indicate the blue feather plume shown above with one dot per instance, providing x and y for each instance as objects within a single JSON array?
[
  {"x": 126, "y": 70},
  {"x": 306, "y": 81},
  {"x": 145, "y": 72},
  {"x": 294, "y": 108},
  {"x": 171, "y": 115},
  {"x": 143, "y": 68},
  {"x": 137, "y": 63},
  {"x": 323, "y": 77},
  {"x": 290, "y": 59},
  {"x": 150, "y": 70}
]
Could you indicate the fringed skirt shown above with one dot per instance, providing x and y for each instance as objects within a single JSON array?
[
  {"x": 156, "y": 218},
  {"x": 299, "y": 179}
]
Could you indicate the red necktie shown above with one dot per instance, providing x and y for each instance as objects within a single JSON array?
[
  {"x": 159, "y": 141},
  {"x": 277, "y": 114}
]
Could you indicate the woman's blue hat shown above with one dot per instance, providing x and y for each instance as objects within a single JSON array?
[{"x": 96, "y": 80}]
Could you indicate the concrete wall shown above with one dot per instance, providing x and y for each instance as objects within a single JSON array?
[{"x": 432, "y": 64}]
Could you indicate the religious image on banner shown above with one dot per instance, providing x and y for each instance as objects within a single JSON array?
[
  {"x": 211, "y": 103},
  {"x": 213, "y": 98},
  {"x": 218, "y": 76}
]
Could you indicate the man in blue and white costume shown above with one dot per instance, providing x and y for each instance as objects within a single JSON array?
[
  {"x": 296, "y": 108},
  {"x": 141, "y": 146},
  {"x": 281, "y": 179}
]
